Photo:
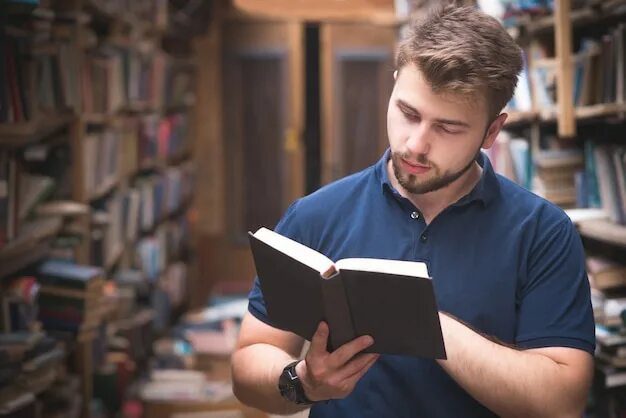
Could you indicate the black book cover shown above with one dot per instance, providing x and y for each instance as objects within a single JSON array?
[{"x": 398, "y": 311}]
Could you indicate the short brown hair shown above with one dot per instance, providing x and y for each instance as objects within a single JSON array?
[{"x": 464, "y": 51}]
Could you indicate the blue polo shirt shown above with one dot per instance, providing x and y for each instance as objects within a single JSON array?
[{"x": 504, "y": 261}]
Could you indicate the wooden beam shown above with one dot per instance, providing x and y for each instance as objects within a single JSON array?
[
  {"x": 565, "y": 80},
  {"x": 381, "y": 11},
  {"x": 294, "y": 136},
  {"x": 208, "y": 142}
]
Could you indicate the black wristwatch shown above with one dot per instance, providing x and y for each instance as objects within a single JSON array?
[{"x": 290, "y": 386}]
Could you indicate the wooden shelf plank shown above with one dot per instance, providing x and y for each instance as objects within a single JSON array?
[
  {"x": 587, "y": 112},
  {"x": 603, "y": 230},
  {"x": 179, "y": 157},
  {"x": 97, "y": 118},
  {"x": 600, "y": 110},
  {"x": 29, "y": 248},
  {"x": 382, "y": 13},
  {"x": 593, "y": 14},
  {"x": 22, "y": 260},
  {"x": 22, "y": 134},
  {"x": 516, "y": 118},
  {"x": 114, "y": 257},
  {"x": 105, "y": 188}
]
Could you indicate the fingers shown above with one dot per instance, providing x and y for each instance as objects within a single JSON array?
[
  {"x": 341, "y": 384},
  {"x": 343, "y": 354},
  {"x": 360, "y": 363}
]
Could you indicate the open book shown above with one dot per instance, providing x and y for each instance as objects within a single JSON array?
[{"x": 393, "y": 301}]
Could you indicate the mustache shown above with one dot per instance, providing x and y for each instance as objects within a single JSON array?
[{"x": 420, "y": 158}]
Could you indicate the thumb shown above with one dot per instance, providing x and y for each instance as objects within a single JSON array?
[{"x": 320, "y": 339}]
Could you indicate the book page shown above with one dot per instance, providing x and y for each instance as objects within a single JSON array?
[
  {"x": 297, "y": 251},
  {"x": 402, "y": 268}
]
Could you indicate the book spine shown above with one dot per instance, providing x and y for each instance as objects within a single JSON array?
[{"x": 337, "y": 312}]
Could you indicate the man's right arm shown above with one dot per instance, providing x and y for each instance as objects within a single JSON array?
[{"x": 263, "y": 352}]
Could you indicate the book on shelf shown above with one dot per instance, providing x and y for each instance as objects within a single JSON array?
[
  {"x": 33, "y": 189},
  {"x": 605, "y": 273},
  {"x": 555, "y": 175},
  {"x": 69, "y": 275},
  {"x": 392, "y": 301}
]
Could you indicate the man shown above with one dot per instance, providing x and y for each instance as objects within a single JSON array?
[{"x": 507, "y": 266}]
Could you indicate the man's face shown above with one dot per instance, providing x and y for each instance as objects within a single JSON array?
[{"x": 434, "y": 138}]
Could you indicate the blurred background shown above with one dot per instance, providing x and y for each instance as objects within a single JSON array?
[{"x": 141, "y": 140}]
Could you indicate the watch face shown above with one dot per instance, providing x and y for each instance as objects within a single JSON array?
[
  {"x": 289, "y": 393},
  {"x": 286, "y": 385}
]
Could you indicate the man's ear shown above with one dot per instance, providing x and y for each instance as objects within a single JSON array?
[{"x": 494, "y": 130}]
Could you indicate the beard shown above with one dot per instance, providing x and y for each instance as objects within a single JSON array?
[{"x": 412, "y": 184}]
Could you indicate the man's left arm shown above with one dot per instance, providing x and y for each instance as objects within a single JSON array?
[
  {"x": 540, "y": 382},
  {"x": 549, "y": 371}
]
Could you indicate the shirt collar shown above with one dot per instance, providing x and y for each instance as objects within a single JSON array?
[{"x": 485, "y": 190}]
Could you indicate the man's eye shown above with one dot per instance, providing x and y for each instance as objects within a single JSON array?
[
  {"x": 448, "y": 131},
  {"x": 411, "y": 117}
]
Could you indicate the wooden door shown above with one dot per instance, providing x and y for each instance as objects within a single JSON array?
[
  {"x": 262, "y": 118},
  {"x": 256, "y": 153},
  {"x": 357, "y": 79}
]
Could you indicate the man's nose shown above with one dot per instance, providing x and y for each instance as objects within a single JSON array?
[{"x": 418, "y": 141}]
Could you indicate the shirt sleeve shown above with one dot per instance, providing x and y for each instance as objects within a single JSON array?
[
  {"x": 554, "y": 302},
  {"x": 288, "y": 227}
]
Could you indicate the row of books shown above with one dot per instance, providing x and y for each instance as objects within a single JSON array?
[
  {"x": 603, "y": 181},
  {"x": 41, "y": 73},
  {"x": 510, "y": 156},
  {"x": 34, "y": 382},
  {"x": 141, "y": 143},
  {"x": 607, "y": 277},
  {"x": 121, "y": 220},
  {"x": 191, "y": 362},
  {"x": 60, "y": 305},
  {"x": 150, "y": 12},
  {"x": 168, "y": 244},
  {"x": 119, "y": 77},
  {"x": 598, "y": 71},
  {"x": 514, "y": 12},
  {"x": 29, "y": 66},
  {"x": 555, "y": 173},
  {"x": 56, "y": 298},
  {"x": 28, "y": 178},
  {"x": 598, "y": 76},
  {"x": 161, "y": 138},
  {"x": 588, "y": 176}
]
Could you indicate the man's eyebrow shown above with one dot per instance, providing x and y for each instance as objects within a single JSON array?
[{"x": 402, "y": 104}]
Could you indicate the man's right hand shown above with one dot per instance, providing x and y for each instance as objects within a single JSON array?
[{"x": 333, "y": 375}]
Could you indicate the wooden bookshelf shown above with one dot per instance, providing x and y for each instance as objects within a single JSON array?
[{"x": 86, "y": 28}]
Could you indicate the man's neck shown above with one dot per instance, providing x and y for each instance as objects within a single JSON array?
[{"x": 433, "y": 203}]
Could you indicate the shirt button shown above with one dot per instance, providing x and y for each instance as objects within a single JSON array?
[
  {"x": 415, "y": 215},
  {"x": 424, "y": 238}
]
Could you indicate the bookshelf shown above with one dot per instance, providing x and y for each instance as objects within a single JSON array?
[{"x": 100, "y": 84}]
